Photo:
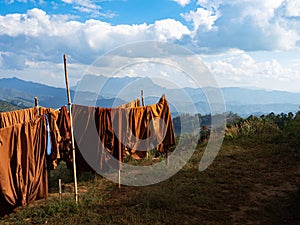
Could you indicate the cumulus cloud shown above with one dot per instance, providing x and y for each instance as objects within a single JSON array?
[
  {"x": 217, "y": 26},
  {"x": 169, "y": 29},
  {"x": 37, "y": 38},
  {"x": 33, "y": 24},
  {"x": 292, "y": 8},
  {"x": 242, "y": 69},
  {"x": 244, "y": 24},
  {"x": 182, "y": 2},
  {"x": 212, "y": 4},
  {"x": 202, "y": 19},
  {"x": 45, "y": 37}
]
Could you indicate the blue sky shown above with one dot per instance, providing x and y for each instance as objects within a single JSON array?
[{"x": 245, "y": 43}]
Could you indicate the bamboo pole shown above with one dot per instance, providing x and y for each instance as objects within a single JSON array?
[
  {"x": 142, "y": 96},
  {"x": 143, "y": 104},
  {"x": 72, "y": 131},
  {"x": 119, "y": 179},
  {"x": 120, "y": 156},
  {"x": 59, "y": 190},
  {"x": 36, "y": 104}
]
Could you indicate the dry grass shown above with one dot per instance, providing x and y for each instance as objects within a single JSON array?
[{"x": 248, "y": 183}]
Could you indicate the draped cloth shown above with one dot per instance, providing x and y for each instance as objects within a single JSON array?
[
  {"x": 134, "y": 103},
  {"x": 55, "y": 137},
  {"x": 103, "y": 135},
  {"x": 18, "y": 116},
  {"x": 12, "y": 118},
  {"x": 23, "y": 171}
]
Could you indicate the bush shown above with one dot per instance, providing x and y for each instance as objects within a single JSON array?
[{"x": 254, "y": 127}]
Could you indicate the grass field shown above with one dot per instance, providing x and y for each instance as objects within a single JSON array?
[{"x": 248, "y": 183}]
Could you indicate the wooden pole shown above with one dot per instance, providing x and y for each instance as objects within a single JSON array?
[
  {"x": 143, "y": 104},
  {"x": 120, "y": 156},
  {"x": 142, "y": 96},
  {"x": 59, "y": 190},
  {"x": 72, "y": 131},
  {"x": 36, "y": 104},
  {"x": 119, "y": 180}
]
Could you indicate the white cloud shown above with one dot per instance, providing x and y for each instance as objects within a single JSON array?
[
  {"x": 182, "y": 2},
  {"x": 202, "y": 19},
  {"x": 86, "y": 6},
  {"x": 248, "y": 25},
  {"x": 210, "y": 5},
  {"x": 68, "y": 1},
  {"x": 35, "y": 23},
  {"x": 100, "y": 36},
  {"x": 241, "y": 69},
  {"x": 261, "y": 12},
  {"x": 292, "y": 8},
  {"x": 35, "y": 40},
  {"x": 92, "y": 35},
  {"x": 37, "y": 36},
  {"x": 169, "y": 29}
]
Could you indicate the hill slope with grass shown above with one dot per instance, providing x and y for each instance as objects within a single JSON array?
[
  {"x": 6, "y": 106},
  {"x": 252, "y": 180}
]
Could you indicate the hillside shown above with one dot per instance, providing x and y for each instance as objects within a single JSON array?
[
  {"x": 22, "y": 92},
  {"x": 6, "y": 107}
]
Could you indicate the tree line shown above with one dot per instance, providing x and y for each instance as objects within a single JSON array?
[{"x": 283, "y": 128}]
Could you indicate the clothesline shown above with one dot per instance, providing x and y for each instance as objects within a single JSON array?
[
  {"x": 26, "y": 136},
  {"x": 14, "y": 129},
  {"x": 23, "y": 174}
]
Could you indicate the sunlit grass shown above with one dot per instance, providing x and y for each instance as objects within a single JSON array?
[{"x": 248, "y": 182}]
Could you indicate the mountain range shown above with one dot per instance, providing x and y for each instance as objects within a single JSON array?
[{"x": 110, "y": 92}]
